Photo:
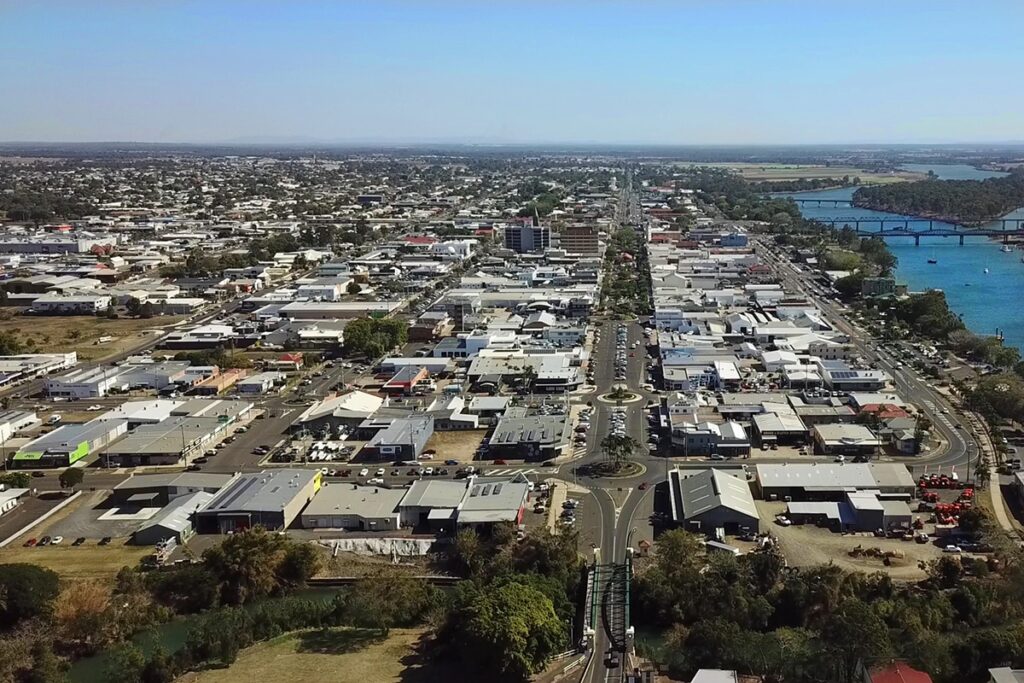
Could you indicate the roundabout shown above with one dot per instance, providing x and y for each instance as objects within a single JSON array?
[
  {"x": 620, "y": 395},
  {"x": 607, "y": 469}
]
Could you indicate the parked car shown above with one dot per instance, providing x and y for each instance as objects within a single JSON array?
[
  {"x": 30, "y": 542},
  {"x": 105, "y": 540},
  {"x": 79, "y": 541},
  {"x": 499, "y": 461},
  {"x": 451, "y": 462},
  {"x": 364, "y": 472},
  {"x": 45, "y": 540},
  {"x": 57, "y": 540},
  {"x": 782, "y": 520}
]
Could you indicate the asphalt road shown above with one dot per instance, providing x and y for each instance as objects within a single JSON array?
[{"x": 961, "y": 443}]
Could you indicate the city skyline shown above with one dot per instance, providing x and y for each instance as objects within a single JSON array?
[{"x": 653, "y": 73}]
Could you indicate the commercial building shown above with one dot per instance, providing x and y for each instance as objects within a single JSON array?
[
  {"x": 858, "y": 511},
  {"x": 29, "y": 365},
  {"x": 260, "y": 383},
  {"x": 78, "y": 304},
  {"x": 174, "y": 521},
  {"x": 529, "y": 437},
  {"x": 354, "y": 507},
  {"x": 152, "y": 490},
  {"x": 527, "y": 237},
  {"x": 69, "y": 444},
  {"x": 404, "y": 438},
  {"x": 831, "y": 481},
  {"x": 845, "y": 439},
  {"x": 582, "y": 240},
  {"x": 272, "y": 499},
  {"x": 185, "y": 435},
  {"x": 14, "y": 421},
  {"x": 10, "y": 498},
  {"x": 445, "y": 505},
  {"x": 711, "y": 499}
]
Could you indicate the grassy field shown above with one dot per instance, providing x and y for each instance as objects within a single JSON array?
[
  {"x": 756, "y": 172},
  {"x": 336, "y": 655},
  {"x": 81, "y": 333},
  {"x": 88, "y": 561}
]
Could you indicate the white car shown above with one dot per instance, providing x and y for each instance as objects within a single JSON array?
[
  {"x": 376, "y": 481},
  {"x": 428, "y": 471},
  {"x": 955, "y": 549},
  {"x": 380, "y": 472},
  {"x": 782, "y": 520},
  {"x": 56, "y": 540},
  {"x": 364, "y": 472}
]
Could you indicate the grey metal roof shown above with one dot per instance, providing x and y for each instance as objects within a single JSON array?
[
  {"x": 713, "y": 488},
  {"x": 493, "y": 502},
  {"x": 182, "y": 479},
  {"x": 267, "y": 491},
  {"x": 435, "y": 493},
  {"x": 361, "y": 501},
  {"x": 845, "y": 475},
  {"x": 176, "y": 515}
]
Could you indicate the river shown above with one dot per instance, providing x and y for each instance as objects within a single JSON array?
[{"x": 985, "y": 301}]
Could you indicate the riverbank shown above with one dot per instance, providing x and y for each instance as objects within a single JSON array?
[
  {"x": 969, "y": 203},
  {"x": 976, "y": 276}
]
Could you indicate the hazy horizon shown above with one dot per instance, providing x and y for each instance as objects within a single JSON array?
[{"x": 704, "y": 73}]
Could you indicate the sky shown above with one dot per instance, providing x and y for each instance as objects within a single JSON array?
[{"x": 495, "y": 72}]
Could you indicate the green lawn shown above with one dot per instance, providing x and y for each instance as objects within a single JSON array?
[{"x": 340, "y": 655}]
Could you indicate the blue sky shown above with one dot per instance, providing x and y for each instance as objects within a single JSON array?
[{"x": 646, "y": 71}]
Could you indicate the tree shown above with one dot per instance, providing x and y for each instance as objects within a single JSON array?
[
  {"x": 125, "y": 665},
  {"x": 133, "y": 306},
  {"x": 468, "y": 552},
  {"x": 71, "y": 477},
  {"x": 300, "y": 563},
  {"x": 9, "y": 344},
  {"x": 15, "y": 480},
  {"x": 507, "y": 628},
  {"x": 353, "y": 288},
  {"x": 188, "y": 589},
  {"x": 46, "y": 668},
  {"x": 382, "y": 601},
  {"x": 159, "y": 668},
  {"x": 80, "y": 612},
  {"x": 246, "y": 564},
  {"x": 29, "y": 590},
  {"x": 618, "y": 448},
  {"x": 852, "y": 635},
  {"x": 922, "y": 425}
]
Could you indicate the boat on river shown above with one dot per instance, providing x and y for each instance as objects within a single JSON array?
[{"x": 1006, "y": 249}]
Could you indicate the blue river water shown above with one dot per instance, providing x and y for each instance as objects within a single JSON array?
[{"x": 986, "y": 301}]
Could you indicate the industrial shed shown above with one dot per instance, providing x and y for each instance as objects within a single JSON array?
[
  {"x": 176, "y": 520},
  {"x": 831, "y": 481},
  {"x": 349, "y": 506},
  {"x": 271, "y": 499},
  {"x": 711, "y": 499}
]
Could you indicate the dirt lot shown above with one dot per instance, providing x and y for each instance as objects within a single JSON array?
[
  {"x": 336, "y": 655},
  {"x": 54, "y": 334},
  {"x": 806, "y": 545},
  {"x": 456, "y": 445}
]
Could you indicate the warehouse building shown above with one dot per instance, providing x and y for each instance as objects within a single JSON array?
[
  {"x": 154, "y": 490},
  {"x": 858, "y": 511},
  {"x": 272, "y": 499},
  {"x": 831, "y": 481},
  {"x": 845, "y": 439},
  {"x": 260, "y": 383},
  {"x": 353, "y": 507},
  {"x": 69, "y": 444},
  {"x": 175, "y": 521},
  {"x": 712, "y": 499},
  {"x": 529, "y": 437},
  {"x": 403, "y": 438}
]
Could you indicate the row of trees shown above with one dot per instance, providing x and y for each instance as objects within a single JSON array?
[
  {"x": 753, "y": 614},
  {"x": 373, "y": 337},
  {"x": 969, "y": 202}
]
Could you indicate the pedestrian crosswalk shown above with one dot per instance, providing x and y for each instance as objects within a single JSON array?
[
  {"x": 941, "y": 417},
  {"x": 509, "y": 472}
]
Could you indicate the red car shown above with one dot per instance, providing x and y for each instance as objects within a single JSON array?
[
  {"x": 500, "y": 462},
  {"x": 30, "y": 542},
  {"x": 642, "y": 486}
]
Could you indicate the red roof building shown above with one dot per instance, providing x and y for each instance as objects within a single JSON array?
[{"x": 884, "y": 411}]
